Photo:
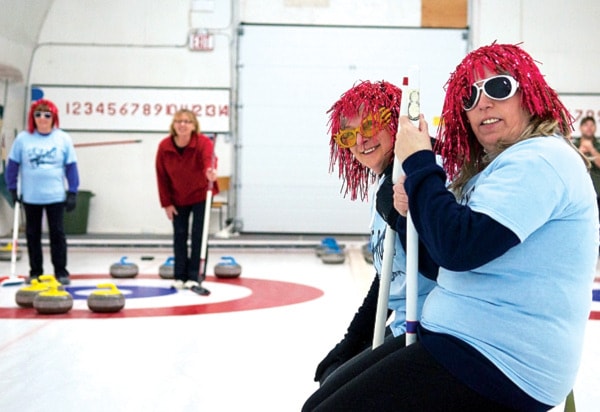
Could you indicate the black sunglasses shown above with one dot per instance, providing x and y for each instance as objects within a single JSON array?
[
  {"x": 38, "y": 115},
  {"x": 500, "y": 87}
]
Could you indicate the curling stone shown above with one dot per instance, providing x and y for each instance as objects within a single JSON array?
[
  {"x": 107, "y": 299},
  {"x": 331, "y": 251},
  {"x": 328, "y": 243},
  {"x": 332, "y": 255},
  {"x": 27, "y": 294},
  {"x": 6, "y": 252},
  {"x": 53, "y": 301},
  {"x": 167, "y": 269},
  {"x": 367, "y": 254},
  {"x": 228, "y": 268},
  {"x": 124, "y": 269}
]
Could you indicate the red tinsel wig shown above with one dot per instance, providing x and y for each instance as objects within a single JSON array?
[
  {"x": 363, "y": 98},
  {"x": 455, "y": 138},
  {"x": 43, "y": 105}
]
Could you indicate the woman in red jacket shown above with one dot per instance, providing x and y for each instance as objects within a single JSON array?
[{"x": 185, "y": 164}]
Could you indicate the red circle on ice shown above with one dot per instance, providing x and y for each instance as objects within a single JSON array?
[{"x": 263, "y": 294}]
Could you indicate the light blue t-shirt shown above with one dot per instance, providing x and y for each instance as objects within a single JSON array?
[
  {"x": 397, "y": 298},
  {"x": 42, "y": 160},
  {"x": 526, "y": 311}
]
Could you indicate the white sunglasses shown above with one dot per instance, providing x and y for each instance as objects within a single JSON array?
[{"x": 500, "y": 87}]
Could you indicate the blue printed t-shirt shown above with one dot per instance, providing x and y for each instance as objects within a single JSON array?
[
  {"x": 526, "y": 311},
  {"x": 42, "y": 160},
  {"x": 397, "y": 298}
]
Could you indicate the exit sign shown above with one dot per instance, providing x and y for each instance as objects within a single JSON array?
[{"x": 202, "y": 41}]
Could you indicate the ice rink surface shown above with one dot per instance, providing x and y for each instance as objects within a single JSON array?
[{"x": 252, "y": 345}]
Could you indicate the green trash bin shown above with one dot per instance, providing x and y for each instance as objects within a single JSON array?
[{"x": 76, "y": 220}]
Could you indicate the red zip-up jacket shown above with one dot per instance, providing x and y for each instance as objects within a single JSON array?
[{"x": 182, "y": 177}]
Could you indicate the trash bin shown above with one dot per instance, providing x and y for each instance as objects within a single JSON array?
[{"x": 76, "y": 220}]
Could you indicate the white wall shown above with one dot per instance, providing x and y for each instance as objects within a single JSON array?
[
  {"x": 562, "y": 35},
  {"x": 337, "y": 12},
  {"x": 144, "y": 43},
  {"x": 130, "y": 43},
  {"x": 285, "y": 91}
]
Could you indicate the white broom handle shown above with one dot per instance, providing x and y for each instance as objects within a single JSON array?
[
  {"x": 412, "y": 280},
  {"x": 15, "y": 240},
  {"x": 206, "y": 223},
  {"x": 410, "y": 99},
  {"x": 412, "y": 237},
  {"x": 384, "y": 285}
]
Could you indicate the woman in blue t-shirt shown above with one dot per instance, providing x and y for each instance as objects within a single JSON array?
[
  {"x": 363, "y": 125},
  {"x": 44, "y": 157}
]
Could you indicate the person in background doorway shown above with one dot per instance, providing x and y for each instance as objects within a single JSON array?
[
  {"x": 44, "y": 158},
  {"x": 185, "y": 167},
  {"x": 363, "y": 125},
  {"x": 590, "y": 147},
  {"x": 516, "y": 242}
]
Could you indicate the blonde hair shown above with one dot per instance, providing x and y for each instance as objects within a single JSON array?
[{"x": 191, "y": 116}]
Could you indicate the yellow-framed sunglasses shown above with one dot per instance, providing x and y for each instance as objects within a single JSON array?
[{"x": 346, "y": 138}]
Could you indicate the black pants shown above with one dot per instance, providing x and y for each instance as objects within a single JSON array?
[
  {"x": 187, "y": 266},
  {"x": 396, "y": 378},
  {"x": 58, "y": 243}
]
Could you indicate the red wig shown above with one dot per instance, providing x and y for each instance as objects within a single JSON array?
[
  {"x": 455, "y": 138},
  {"x": 363, "y": 98},
  {"x": 35, "y": 106}
]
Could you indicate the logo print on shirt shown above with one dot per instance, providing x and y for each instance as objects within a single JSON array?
[
  {"x": 378, "y": 251},
  {"x": 41, "y": 156}
]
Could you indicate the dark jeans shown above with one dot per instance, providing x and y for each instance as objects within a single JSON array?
[
  {"x": 187, "y": 266},
  {"x": 58, "y": 243}
]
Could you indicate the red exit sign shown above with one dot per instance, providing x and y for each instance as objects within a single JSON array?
[{"x": 202, "y": 41}]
